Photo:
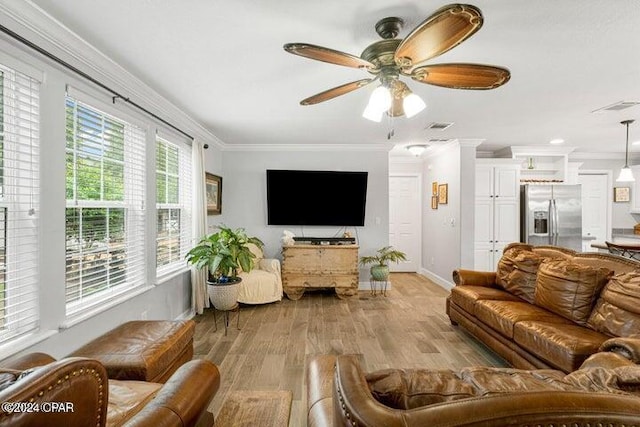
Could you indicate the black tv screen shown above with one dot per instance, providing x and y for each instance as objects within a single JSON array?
[{"x": 297, "y": 197}]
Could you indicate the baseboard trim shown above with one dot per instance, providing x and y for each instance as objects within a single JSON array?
[
  {"x": 443, "y": 283},
  {"x": 189, "y": 314}
]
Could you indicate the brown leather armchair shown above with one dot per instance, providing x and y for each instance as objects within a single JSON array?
[
  {"x": 76, "y": 392},
  {"x": 603, "y": 392}
]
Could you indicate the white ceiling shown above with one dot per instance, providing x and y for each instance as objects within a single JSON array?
[{"x": 222, "y": 62}]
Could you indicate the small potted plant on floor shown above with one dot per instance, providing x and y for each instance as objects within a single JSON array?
[
  {"x": 380, "y": 268},
  {"x": 223, "y": 253}
]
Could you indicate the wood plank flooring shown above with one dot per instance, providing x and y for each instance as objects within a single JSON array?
[{"x": 408, "y": 328}]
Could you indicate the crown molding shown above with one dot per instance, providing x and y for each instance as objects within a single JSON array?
[
  {"x": 34, "y": 24},
  {"x": 598, "y": 156},
  {"x": 307, "y": 147}
]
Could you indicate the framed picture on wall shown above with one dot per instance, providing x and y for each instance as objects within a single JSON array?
[
  {"x": 443, "y": 194},
  {"x": 213, "y": 185},
  {"x": 434, "y": 188},
  {"x": 434, "y": 202},
  {"x": 621, "y": 194}
]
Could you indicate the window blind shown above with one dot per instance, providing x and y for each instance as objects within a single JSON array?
[
  {"x": 19, "y": 203},
  {"x": 105, "y": 190},
  {"x": 173, "y": 204}
]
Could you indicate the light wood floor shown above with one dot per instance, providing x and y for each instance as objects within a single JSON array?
[{"x": 406, "y": 329}]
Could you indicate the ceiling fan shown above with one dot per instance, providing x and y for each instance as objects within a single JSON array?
[{"x": 390, "y": 58}]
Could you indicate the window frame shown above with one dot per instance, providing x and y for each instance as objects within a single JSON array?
[
  {"x": 14, "y": 198},
  {"x": 134, "y": 211},
  {"x": 183, "y": 205}
]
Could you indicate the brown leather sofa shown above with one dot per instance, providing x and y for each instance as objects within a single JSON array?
[
  {"x": 548, "y": 307},
  {"x": 604, "y": 392}
]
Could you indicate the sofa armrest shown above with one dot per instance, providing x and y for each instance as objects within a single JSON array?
[
  {"x": 271, "y": 265},
  {"x": 184, "y": 398},
  {"x": 474, "y": 278},
  {"x": 72, "y": 391},
  {"x": 353, "y": 401},
  {"x": 625, "y": 346},
  {"x": 29, "y": 360},
  {"x": 319, "y": 376}
]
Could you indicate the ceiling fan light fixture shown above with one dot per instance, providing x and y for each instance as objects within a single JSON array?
[
  {"x": 417, "y": 149},
  {"x": 380, "y": 99},
  {"x": 412, "y": 104},
  {"x": 371, "y": 113},
  {"x": 625, "y": 173}
]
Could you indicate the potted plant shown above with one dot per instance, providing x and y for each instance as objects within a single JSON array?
[
  {"x": 223, "y": 253},
  {"x": 380, "y": 268}
]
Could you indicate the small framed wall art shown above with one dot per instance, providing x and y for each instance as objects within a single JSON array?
[
  {"x": 443, "y": 194},
  {"x": 434, "y": 188},
  {"x": 434, "y": 202},
  {"x": 213, "y": 185},
  {"x": 621, "y": 194}
]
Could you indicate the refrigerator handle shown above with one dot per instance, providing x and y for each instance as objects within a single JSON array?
[
  {"x": 556, "y": 220},
  {"x": 551, "y": 224}
]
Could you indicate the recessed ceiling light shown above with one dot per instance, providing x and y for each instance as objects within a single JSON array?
[{"x": 557, "y": 141}]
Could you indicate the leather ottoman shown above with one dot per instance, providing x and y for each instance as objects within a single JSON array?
[{"x": 142, "y": 350}]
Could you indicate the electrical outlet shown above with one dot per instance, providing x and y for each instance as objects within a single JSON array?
[{"x": 143, "y": 315}]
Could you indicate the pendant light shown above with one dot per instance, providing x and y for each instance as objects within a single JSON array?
[{"x": 625, "y": 173}]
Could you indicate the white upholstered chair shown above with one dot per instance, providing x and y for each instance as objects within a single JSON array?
[{"x": 263, "y": 284}]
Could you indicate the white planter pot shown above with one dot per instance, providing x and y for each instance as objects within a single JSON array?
[{"x": 223, "y": 296}]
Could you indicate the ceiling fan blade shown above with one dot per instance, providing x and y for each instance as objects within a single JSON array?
[
  {"x": 334, "y": 92},
  {"x": 462, "y": 76},
  {"x": 442, "y": 31},
  {"x": 324, "y": 54}
]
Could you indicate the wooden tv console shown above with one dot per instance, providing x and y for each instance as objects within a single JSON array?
[{"x": 320, "y": 266}]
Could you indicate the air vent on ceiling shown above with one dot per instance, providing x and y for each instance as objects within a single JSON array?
[
  {"x": 617, "y": 106},
  {"x": 439, "y": 125}
]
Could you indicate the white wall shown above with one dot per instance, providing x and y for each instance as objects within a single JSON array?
[
  {"x": 442, "y": 236},
  {"x": 244, "y": 194}
]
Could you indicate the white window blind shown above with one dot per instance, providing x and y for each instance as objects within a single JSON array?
[
  {"x": 19, "y": 203},
  {"x": 173, "y": 204},
  {"x": 105, "y": 191}
]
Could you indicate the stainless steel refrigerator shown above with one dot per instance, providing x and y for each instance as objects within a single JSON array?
[{"x": 551, "y": 215}]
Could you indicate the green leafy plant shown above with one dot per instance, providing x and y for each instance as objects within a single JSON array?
[
  {"x": 383, "y": 256},
  {"x": 224, "y": 252},
  {"x": 380, "y": 268}
]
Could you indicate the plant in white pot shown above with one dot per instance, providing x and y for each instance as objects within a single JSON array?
[
  {"x": 380, "y": 268},
  {"x": 223, "y": 253}
]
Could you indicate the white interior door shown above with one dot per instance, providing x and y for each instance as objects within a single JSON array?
[
  {"x": 405, "y": 227},
  {"x": 595, "y": 204}
]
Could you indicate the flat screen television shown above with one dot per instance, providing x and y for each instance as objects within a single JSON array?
[{"x": 302, "y": 197}]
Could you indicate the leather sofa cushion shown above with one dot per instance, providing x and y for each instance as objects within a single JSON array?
[
  {"x": 467, "y": 296},
  {"x": 563, "y": 345},
  {"x": 141, "y": 350},
  {"x": 569, "y": 289},
  {"x": 503, "y": 315},
  {"x": 407, "y": 389},
  {"x": 127, "y": 398},
  {"x": 617, "y": 311},
  {"x": 517, "y": 271}
]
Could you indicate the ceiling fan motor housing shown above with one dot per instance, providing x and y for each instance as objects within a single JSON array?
[{"x": 389, "y": 28}]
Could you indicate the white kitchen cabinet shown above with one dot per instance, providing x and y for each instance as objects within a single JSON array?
[{"x": 497, "y": 210}]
